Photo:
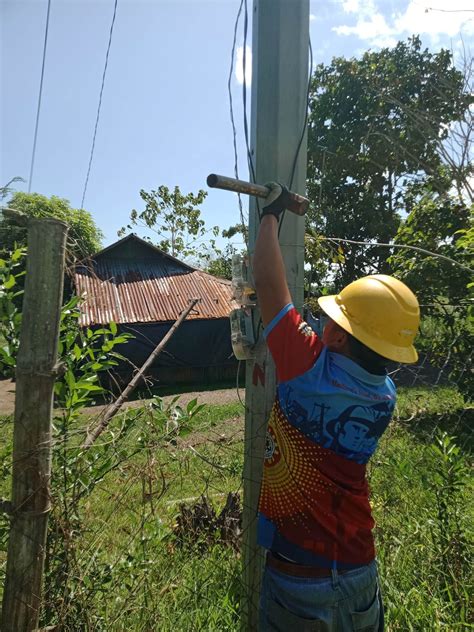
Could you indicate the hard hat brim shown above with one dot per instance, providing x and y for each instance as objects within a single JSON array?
[{"x": 406, "y": 355}]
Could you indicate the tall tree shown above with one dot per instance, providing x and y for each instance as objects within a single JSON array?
[
  {"x": 176, "y": 218},
  {"x": 84, "y": 236},
  {"x": 220, "y": 265},
  {"x": 441, "y": 223},
  {"x": 365, "y": 143}
]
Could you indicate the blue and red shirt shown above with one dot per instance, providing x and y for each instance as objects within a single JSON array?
[{"x": 328, "y": 416}]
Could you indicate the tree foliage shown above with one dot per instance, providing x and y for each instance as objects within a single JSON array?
[
  {"x": 365, "y": 142},
  {"x": 84, "y": 237},
  {"x": 11, "y": 277},
  {"x": 176, "y": 218},
  {"x": 442, "y": 224},
  {"x": 436, "y": 222},
  {"x": 221, "y": 264}
]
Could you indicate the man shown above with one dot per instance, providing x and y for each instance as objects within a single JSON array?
[{"x": 334, "y": 401}]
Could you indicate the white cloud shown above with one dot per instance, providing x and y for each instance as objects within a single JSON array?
[
  {"x": 312, "y": 17},
  {"x": 239, "y": 65},
  {"x": 368, "y": 29},
  {"x": 351, "y": 6},
  {"x": 433, "y": 18}
]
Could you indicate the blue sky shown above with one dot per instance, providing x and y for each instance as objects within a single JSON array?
[{"x": 165, "y": 110}]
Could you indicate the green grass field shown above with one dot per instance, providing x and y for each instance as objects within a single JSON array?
[{"x": 124, "y": 568}]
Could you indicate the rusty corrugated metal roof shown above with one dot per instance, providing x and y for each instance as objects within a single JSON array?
[{"x": 127, "y": 291}]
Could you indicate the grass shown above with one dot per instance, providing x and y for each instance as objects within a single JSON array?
[{"x": 127, "y": 570}]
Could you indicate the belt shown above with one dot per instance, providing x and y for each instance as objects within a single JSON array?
[{"x": 297, "y": 570}]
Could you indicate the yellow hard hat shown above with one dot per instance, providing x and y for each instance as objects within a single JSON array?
[{"x": 381, "y": 312}]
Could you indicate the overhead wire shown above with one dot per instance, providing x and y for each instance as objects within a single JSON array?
[
  {"x": 386, "y": 245},
  {"x": 232, "y": 119},
  {"x": 244, "y": 97},
  {"x": 303, "y": 131},
  {"x": 40, "y": 94},
  {"x": 100, "y": 104}
]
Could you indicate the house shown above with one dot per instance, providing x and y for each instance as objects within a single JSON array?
[{"x": 144, "y": 290}]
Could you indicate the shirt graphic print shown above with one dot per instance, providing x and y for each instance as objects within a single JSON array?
[{"x": 328, "y": 416}]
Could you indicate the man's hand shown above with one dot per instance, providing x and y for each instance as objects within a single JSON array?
[{"x": 277, "y": 200}]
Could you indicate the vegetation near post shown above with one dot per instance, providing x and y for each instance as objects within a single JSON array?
[{"x": 84, "y": 237}]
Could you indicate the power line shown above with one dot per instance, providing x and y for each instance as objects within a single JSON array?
[
  {"x": 39, "y": 98},
  {"x": 377, "y": 243},
  {"x": 100, "y": 103},
  {"x": 234, "y": 131},
  {"x": 427, "y": 9},
  {"x": 305, "y": 125}
]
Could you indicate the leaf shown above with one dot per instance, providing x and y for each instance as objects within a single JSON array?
[
  {"x": 9, "y": 282},
  {"x": 87, "y": 386},
  {"x": 113, "y": 328},
  {"x": 191, "y": 405},
  {"x": 18, "y": 254}
]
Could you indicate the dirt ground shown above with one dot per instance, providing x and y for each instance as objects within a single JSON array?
[
  {"x": 7, "y": 397},
  {"x": 222, "y": 396}
]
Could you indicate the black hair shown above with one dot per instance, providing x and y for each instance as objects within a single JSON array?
[{"x": 366, "y": 358}]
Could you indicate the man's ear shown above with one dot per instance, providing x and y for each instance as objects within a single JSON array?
[{"x": 340, "y": 339}]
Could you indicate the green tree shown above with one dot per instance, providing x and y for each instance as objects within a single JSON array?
[
  {"x": 221, "y": 265},
  {"x": 441, "y": 223},
  {"x": 436, "y": 222},
  {"x": 176, "y": 218},
  {"x": 365, "y": 142},
  {"x": 84, "y": 236}
]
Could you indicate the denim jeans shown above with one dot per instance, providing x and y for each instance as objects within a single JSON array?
[{"x": 339, "y": 603}]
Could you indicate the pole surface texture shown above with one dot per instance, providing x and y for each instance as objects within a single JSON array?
[
  {"x": 35, "y": 375},
  {"x": 279, "y": 101}
]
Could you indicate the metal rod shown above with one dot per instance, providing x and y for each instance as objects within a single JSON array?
[
  {"x": 238, "y": 186},
  {"x": 298, "y": 204}
]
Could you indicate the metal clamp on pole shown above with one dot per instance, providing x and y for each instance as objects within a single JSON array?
[{"x": 298, "y": 204}]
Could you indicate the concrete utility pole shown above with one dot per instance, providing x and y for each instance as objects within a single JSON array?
[{"x": 279, "y": 99}]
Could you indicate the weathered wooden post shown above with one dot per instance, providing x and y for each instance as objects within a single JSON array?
[{"x": 35, "y": 375}]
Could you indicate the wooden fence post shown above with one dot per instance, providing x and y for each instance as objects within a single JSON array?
[{"x": 35, "y": 376}]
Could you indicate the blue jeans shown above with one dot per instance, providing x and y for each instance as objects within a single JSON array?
[{"x": 339, "y": 603}]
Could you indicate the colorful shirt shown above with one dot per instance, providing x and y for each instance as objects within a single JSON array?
[{"x": 328, "y": 416}]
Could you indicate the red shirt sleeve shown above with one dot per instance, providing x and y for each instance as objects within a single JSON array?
[{"x": 293, "y": 344}]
